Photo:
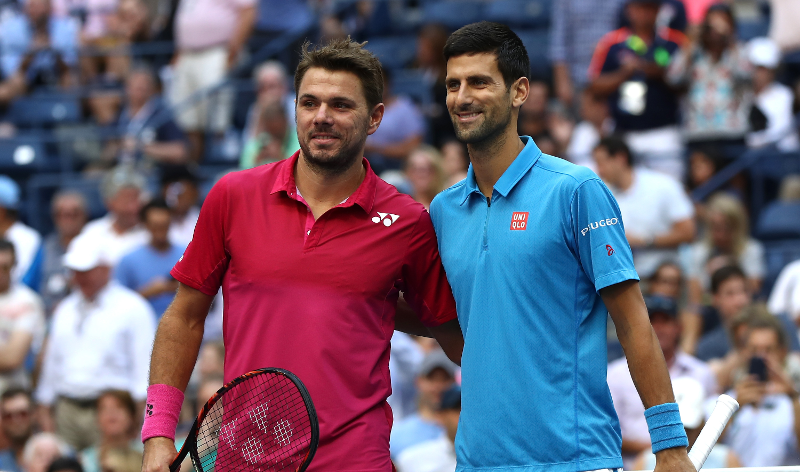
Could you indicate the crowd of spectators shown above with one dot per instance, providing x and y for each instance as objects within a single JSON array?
[{"x": 657, "y": 97}]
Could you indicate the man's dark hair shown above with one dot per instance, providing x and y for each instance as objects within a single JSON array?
[
  {"x": 155, "y": 204},
  {"x": 124, "y": 398},
  {"x": 178, "y": 173},
  {"x": 348, "y": 56},
  {"x": 495, "y": 38},
  {"x": 65, "y": 464},
  {"x": 12, "y": 392},
  {"x": 764, "y": 320},
  {"x": 6, "y": 245},
  {"x": 723, "y": 274},
  {"x": 615, "y": 145}
]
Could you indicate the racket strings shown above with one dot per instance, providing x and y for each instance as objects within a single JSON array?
[{"x": 260, "y": 424}]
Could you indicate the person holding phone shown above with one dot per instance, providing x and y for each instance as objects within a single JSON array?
[{"x": 765, "y": 430}]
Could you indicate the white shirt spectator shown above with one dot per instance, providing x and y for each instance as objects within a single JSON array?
[
  {"x": 581, "y": 144},
  {"x": 21, "y": 310},
  {"x": 98, "y": 346},
  {"x": 437, "y": 455},
  {"x": 764, "y": 436},
  {"x": 751, "y": 261},
  {"x": 785, "y": 296},
  {"x": 181, "y": 232},
  {"x": 404, "y": 360},
  {"x": 116, "y": 245},
  {"x": 776, "y": 104},
  {"x": 26, "y": 242},
  {"x": 653, "y": 203}
]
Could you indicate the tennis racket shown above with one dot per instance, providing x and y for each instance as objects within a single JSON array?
[
  {"x": 723, "y": 410},
  {"x": 263, "y": 421}
]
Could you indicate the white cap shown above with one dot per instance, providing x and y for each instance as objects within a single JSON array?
[
  {"x": 690, "y": 396},
  {"x": 764, "y": 52},
  {"x": 85, "y": 253}
]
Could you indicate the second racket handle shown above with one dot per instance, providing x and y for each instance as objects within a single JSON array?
[{"x": 723, "y": 410}]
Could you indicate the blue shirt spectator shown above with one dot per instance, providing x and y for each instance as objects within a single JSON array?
[
  {"x": 18, "y": 33},
  {"x": 146, "y": 269}
]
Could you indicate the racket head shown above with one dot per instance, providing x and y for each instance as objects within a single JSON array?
[{"x": 263, "y": 420}]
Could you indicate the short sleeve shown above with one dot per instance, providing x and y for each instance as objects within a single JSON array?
[
  {"x": 206, "y": 258},
  {"x": 124, "y": 274},
  {"x": 599, "y": 234},
  {"x": 424, "y": 279}
]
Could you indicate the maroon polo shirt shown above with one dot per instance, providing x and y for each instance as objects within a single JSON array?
[{"x": 318, "y": 297}]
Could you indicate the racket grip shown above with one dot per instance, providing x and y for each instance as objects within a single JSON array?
[{"x": 723, "y": 410}]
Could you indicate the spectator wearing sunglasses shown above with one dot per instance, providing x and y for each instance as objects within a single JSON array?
[{"x": 16, "y": 410}]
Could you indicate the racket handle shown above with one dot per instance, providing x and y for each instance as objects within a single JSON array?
[{"x": 723, "y": 410}]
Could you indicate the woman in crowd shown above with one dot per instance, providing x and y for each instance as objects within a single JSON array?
[
  {"x": 425, "y": 174},
  {"x": 116, "y": 420}
]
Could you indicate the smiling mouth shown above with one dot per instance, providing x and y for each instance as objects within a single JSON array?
[{"x": 466, "y": 117}]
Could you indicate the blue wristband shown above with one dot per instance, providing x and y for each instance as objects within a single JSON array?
[{"x": 666, "y": 427}]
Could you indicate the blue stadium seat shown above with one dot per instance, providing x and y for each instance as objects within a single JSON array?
[
  {"x": 536, "y": 43},
  {"x": 453, "y": 14},
  {"x": 24, "y": 154},
  {"x": 777, "y": 255},
  {"x": 779, "y": 220},
  {"x": 394, "y": 52},
  {"x": 521, "y": 13},
  {"x": 412, "y": 83},
  {"x": 747, "y": 30},
  {"x": 44, "y": 110}
]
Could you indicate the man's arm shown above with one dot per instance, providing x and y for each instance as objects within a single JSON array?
[
  {"x": 244, "y": 26},
  {"x": 681, "y": 232},
  {"x": 13, "y": 352},
  {"x": 447, "y": 334},
  {"x": 175, "y": 349},
  {"x": 645, "y": 359}
]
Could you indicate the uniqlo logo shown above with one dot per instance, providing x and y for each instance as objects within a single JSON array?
[{"x": 519, "y": 221}]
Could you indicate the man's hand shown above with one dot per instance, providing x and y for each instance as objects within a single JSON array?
[
  {"x": 158, "y": 454},
  {"x": 675, "y": 459},
  {"x": 750, "y": 391}
]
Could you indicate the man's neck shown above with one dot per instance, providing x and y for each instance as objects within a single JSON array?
[
  {"x": 646, "y": 34},
  {"x": 121, "y": 228},
  {"x": 492, "y": 157},
  {"x": 5, "y": 225},
  {"x": 161, "y": 246},
  {"x": 625, "y": 180},
  {"x": 323, "y": 191}
]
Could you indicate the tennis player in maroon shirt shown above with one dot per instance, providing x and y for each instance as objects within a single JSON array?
[{"x": 311, "y": 254}]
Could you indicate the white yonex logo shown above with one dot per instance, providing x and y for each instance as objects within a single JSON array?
[{"x": 387, "y": 218}]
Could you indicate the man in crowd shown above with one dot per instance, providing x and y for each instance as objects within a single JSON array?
[
  {"x": 25, "y": 239},
  {"x": 16, "y": 410},
  {"x": 436, "y": 374},
  {"x": 120, "y": 231},
  {"x": 100, "y": 339},
  {"x": 146, "y": 269},
  {"x": 664, "y": 319},
  {"x": 22, "y": 324},
  {"x": 730, "y": 296},
  {"x": 657, "y": 213},
  {"x": 179, "y": 190},
  {"x": 437, "y": 454},
  {"x": 628, "y": 67}
]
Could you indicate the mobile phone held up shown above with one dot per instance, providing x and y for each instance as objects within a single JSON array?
[{"x": 758, "y": 368}]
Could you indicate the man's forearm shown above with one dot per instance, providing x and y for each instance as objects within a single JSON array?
[{"x": 247, "y": 18}]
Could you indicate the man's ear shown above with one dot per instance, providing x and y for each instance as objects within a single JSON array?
[
  {"x": 519, "y": 91},
  {"x": 375, "y": 118}
]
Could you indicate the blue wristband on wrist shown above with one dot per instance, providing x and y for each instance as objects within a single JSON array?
[{"x": 666, "y": 427}]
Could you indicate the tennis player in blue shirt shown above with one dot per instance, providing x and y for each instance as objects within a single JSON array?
[{"x": 535, "y": 251}]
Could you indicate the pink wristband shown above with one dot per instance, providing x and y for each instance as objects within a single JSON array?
[{"x": 162, "y": 411}]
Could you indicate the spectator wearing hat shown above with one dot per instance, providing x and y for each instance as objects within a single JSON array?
[
  {"x": 100, "y": 339},
  {"x": 22, "y": 323},
  {"x": 25, "y": 239},
  {"x": 439, "y": 454},
  {"x": 628, "y": 67},
  {"x": 16, "y": 411},
  {"x": 146, "y": 268},
  {"x": 691, "y": 399},
  {"x": 664, "y": 319},
  {"x": 119, "y": 232},
  {"x": 179, "y": 190},
  {"x": 771, "y": 118},
  {"x": 436, "y": 375}
]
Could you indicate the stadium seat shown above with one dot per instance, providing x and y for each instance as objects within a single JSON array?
[
  {"x": 24, "y": 154},
  {"x": 779, "y": 220},
  {"x": 453, "y": 14},
  {"x": 536, "y": 43},
  {"x": 777, "y": 255},
  {"x": 412, "y": 83},
  {"x": 394, "y": 52},
  {"x": 747, "y": 30},
  {"x": 44, "y": 110},
  {"x": 520, "y": 13}
]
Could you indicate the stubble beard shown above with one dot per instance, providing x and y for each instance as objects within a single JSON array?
[
  {"x": 331, "y": 163},
  {"x": 486, "y": 134}
]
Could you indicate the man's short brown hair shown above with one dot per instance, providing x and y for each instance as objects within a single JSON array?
[{"x": 344, "y": 55}]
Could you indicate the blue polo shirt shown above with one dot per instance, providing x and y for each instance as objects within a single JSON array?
[{"x": 525, "y": 272}]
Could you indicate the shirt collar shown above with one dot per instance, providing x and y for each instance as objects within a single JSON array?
[
  {"x": 364, "y": 196},
  {"x": 518, "y": 168}
]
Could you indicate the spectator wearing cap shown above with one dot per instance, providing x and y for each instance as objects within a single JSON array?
[
  {"x": 436, "y": 375},
  {"x": 179, "y": 190},
  {"x": 48, "y": 274},
  {"x": 120, "y": 231},
  {"x": 657, "y": 213},
  {"x": 691, "y": 398},
  {"x": 16, "y": 411},
  {"x": 22, "y": 324},
  {"x": 25, "y": 239},
  {"x": 628, "y": 68},
  {"x": 439, "y": 454},
  {"x": 100, "y": 339},
  {"x": 146, "y": 268},
  {"x": 664, "y": 319},
  {"x": 771, "y": 118},
  {"x": 730, "y": 295}
]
